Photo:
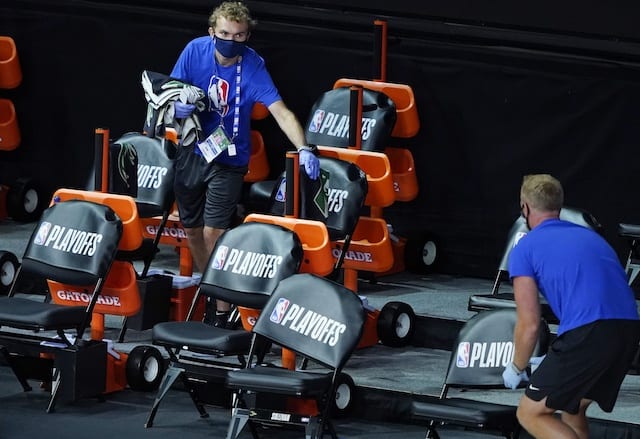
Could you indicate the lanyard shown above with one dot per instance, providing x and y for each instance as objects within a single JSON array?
[{"x": 236, "y": 110}]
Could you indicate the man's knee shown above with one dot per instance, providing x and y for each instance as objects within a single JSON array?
[{"x": 529, "y": 410}]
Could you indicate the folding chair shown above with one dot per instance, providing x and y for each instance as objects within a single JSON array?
[
  {"x": 75, "y": 242},
  {"x": 483, "y": 348},
  {"x": 316, "y": 318},
  {"x": 154, "y": 195},
  {"x": 496, "y": 299},
  {"x": 245, "y": 267}
]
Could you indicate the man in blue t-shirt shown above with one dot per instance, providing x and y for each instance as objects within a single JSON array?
[
  {"x": 582, "y": 279},
  {"x": 210, "y": 173}
]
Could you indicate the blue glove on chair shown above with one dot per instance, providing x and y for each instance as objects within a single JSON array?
[
  {"x": 310, "y": 162},
  {"x": 182, "y": 110},
  {"x": 512, "y": 377}
]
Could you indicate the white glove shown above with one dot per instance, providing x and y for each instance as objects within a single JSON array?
[{"x": 512, "y": 377}]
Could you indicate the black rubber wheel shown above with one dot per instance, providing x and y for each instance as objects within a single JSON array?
[
  {"x": 396, "y": 324},
  {"x": 421, "y": 253},
  {"x": 145, "y": 368},
  {"x": 344, "y": 397},
  {"x": 8, "y": 270},
  {"x": 24, "y": 200}
]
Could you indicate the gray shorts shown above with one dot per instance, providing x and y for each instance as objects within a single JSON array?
[
  {"x": 207, "y": 193},
  {"x": 588, "y": 362}
]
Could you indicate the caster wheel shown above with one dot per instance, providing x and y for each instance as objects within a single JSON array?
[
  {"x": 24, "y": 200},
  {"x": 396, "y": 324},
  {"x": 8, "y": 270},
  {"x": 421, "y": 254},
  {"x": 145, "y": 368},
  {"x": 344, "y": 400}
]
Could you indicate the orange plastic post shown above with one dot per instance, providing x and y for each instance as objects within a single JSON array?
[
  {"x": 186, "y": 262},
  {"x": 380, "y": 27},
  {"x": 292, "y": 198},
  {"x": 97, "y": 326},
  {"x": 288, "y": 359},
  {"x": 102, "y": 142},
  {"x": 10, "y": 71},
  {"x": 355, "y": 131},
  {"x": 9, "y": 131}
]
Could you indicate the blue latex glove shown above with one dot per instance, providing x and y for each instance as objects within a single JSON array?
[
  {"x": 512, "y": 377},
  {"x": 310, "y": 162},
  {"x": 182, "y": 110},
  {"x": 534, "y": 362}
]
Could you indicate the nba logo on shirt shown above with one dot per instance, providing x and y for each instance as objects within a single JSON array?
[
  {"x": 316, "y": 121},
  {"x": 462, "y": 358},
  {"x": 43, "y": 232},
  {"x": 280, "y": 309},
  {"x": 220, "y": 257}
]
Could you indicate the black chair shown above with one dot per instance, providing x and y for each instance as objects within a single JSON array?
[
  {"x": 245, "y": 267},
  {"x": 497, "y": 299},
  {"x": 316, "y": 318},
  {"x": 74, "y": 243},
  {"x": 482, "y": 349},
  {"x": 154, "y": 195}
]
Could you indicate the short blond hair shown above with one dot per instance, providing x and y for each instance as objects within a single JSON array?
[
  {"x": 542, "y": 192},
  {"x": 232, "y": 11}
]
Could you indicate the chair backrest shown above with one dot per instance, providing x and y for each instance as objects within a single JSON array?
[
  {"x": 519, "y": 229},
  {"x": 336, "y": 198},
  {"x": 74, "y": 242},
  {"x": 328, "y": 123},
  {"x": 155, "y": 193},
  {"x": 484, "y": 347},
  {"x": 249, "y": 261},
  {"x": 315, "y": 317}
]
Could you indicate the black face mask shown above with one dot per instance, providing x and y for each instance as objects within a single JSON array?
[
  {"x": 526, "y": 217},
  {"x": 229, "y": 48}
]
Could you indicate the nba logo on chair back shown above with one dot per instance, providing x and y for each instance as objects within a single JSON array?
[
  {"x": 220, "y": 257},
  {"x": 279, "y": 310},
  {"x": 462, "y": 359}
]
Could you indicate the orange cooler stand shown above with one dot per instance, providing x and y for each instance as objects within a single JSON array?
[{"x": 9, "y": 130}]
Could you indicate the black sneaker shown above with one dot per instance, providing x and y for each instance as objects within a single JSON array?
[
  {"x": 209, "y": 313},
  {"x": 221, "y": 319}
]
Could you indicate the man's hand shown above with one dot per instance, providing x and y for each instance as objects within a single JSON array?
[
  {"x": 182, "y": 110},
  {"x": 310, "y": 162},
  {"x": 512, "y": 377}
]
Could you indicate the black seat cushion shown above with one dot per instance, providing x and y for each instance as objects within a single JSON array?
[
  {"x": 24, "y": 313},
  {"x": 200, "y": 337},
  {"x": 280, "y": 381},
  {"x": 460, "y": 411}
]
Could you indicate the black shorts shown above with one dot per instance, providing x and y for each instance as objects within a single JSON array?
[
  {"x": 207, "y": 193},
  {"x": 589, "y": 362}
]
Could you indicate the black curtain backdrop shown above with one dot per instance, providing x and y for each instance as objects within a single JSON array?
[{"x": 500, "y": 94}]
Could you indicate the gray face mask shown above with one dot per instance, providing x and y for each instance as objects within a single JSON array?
[{"x": 229, "y": 48}]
